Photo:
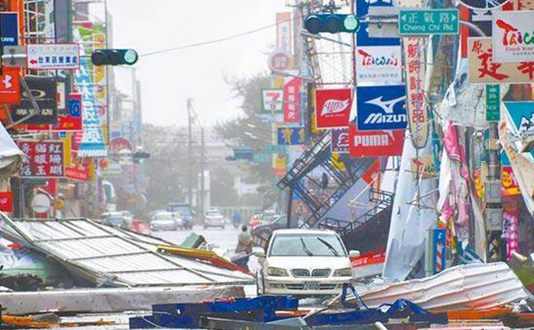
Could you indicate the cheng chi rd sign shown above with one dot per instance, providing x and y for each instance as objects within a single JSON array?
[{"x": 428, "y": 21}]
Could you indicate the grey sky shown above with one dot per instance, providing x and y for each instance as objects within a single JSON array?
[{"x": 169, "y": 79}]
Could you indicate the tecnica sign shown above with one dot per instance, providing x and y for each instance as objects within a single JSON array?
[{"x": 513, "y": 36}]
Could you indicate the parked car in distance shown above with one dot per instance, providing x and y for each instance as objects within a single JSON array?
[
  {"x": 214, "y": 218},
  {"x": 267, "y": 216},
  {"x": 186, "y": 213},
  {"x": 115, "y": 219},
  {"x": 163, "y": 221},
  {"x": 304, "y": 262}
]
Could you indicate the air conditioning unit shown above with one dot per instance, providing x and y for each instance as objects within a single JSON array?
[
  {"x": 493, "y": 219},
  {"x": 493, "y": 192}
]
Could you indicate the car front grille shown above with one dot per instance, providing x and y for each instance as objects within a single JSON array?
[{"x": 302, "y": 272}]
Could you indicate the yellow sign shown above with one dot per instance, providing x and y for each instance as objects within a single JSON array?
[{"x": 337, "y": 162}]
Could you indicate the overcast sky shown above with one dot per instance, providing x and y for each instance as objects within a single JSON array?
[{"x": 167, "y": 80}]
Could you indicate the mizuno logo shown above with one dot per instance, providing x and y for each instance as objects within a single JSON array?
[
  {"x": 334, "y": 106},
  {"x": 387, "y": 106},
  {"x": 7, "y": 81}
]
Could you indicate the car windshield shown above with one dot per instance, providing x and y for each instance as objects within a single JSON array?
[
  {"x": 301, "y": 245},
  {"x": 115, "y": 220},
  {"x": 163, "y": 217},
  {"x": 213, "y": 213}
]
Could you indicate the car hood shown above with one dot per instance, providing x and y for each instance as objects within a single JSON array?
[{"x": 308, "y": 262}]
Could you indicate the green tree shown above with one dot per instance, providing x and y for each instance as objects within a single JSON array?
[{"x": 248, "y": 129}]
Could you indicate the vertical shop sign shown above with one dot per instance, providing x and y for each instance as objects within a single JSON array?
[{"x": 291, "y": 97}]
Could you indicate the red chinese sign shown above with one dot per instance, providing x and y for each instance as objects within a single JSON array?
[
  {"x": 415, "y": 61},
  {"x": 371, "y": 258},
  {"x": 333, "y": 107},
  {"x": 43, "y": 159},
  {"x": 375, "y": 143},
  {"x": 10, "y": 86},
  {"x": 78, "y": 172},
  {"x": 482, "y": 68},
  {"x": 510, "y": 187},
  {"x": 292, "y": 100},
  {"x": 6, "y": 201}
]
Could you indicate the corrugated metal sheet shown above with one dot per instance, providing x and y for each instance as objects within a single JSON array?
[
  {"x": 115, "y": 257},
  {"x": 474, "y": 286}
]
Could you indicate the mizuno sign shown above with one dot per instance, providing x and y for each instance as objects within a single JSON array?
[{"x": 381, "y": 108}]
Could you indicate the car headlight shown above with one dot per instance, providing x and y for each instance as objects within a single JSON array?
[
  {"x": 273, "y": 271},
  {"x": 343, "y": 272}
]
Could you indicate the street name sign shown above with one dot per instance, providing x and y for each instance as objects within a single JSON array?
[
  {"x": 428, "y": 21},
  {"x": 493, "y": 102},
  {"x": 53, "y": 56}
]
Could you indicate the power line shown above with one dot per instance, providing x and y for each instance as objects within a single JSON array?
[{"x": 214, "y": 41}]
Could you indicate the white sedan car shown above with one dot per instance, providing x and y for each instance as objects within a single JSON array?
[
  {"x": 305, "y": 262},
  {"x": 214, "y": 218}
]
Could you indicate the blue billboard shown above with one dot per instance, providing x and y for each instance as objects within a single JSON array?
[
  {"x": 381, "y": 108},
  {"x": 9, "y": 27},
  {"x": 362, "y": 37},
  {"x": 291, "y": 135}
]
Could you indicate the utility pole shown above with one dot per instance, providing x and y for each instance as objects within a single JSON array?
[
  {"x": 190, "y": 152},
  {"x": 202, "y": 166}
]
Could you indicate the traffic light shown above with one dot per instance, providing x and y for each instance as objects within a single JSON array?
[
  {"x": 114, "y": 57},
  {"x": 331, "y": 23}
]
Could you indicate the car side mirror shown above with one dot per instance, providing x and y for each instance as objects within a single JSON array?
[
  {"x": 258, "y": 252},
  {"x": 354, "y": 253}
]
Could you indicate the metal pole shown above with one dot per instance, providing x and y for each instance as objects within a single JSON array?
[
  {"x": 189, "y": 155},
  {"x": 289, "y": 207},
  {"x": 202, "y": 165}
]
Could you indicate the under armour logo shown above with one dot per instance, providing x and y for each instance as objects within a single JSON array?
[{"x": 7, "y": 81}]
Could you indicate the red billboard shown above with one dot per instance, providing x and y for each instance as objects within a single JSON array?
[
  {"x": 6, "y": 201},
  {"x": 291, "y": 100},
  {"x": 43, "y": 159},
  {"x": 333, "y": 107},
  {"x": 10, "y": 86},
  {"x": 375, "y": 143}
]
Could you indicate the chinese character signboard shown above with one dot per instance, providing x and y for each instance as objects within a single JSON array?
[
  {"x": 44, "y": 91},
  {"x": 283, "y": 31},
  {"x": 288, "y": 135},
  {"x": 378, "y": 64},
  {"x": 53, "y": 56},
  {"x": 512, "y": 36},
  {"x": 280, "y": 165},
  {"x": 510, "y": 187},
  {"x": 43, "y": 159},
  {"x": 415, "y": 61},
  {"x": 340, "y": 140},
  {"x": 6, "y": 201},
  {"x": 291, "y": 100},
  {"x": 381, "y": 108},
  {"x": 375, "y": 143},
  {"x": 333, "y": 107},
  {"x": 483, "y": 70},
  {"x": 272, "y": 100},
  {"x": 493, "y": 102},
  {"x": 428, "y": 21},
  {"x": 10, "y": 86}
]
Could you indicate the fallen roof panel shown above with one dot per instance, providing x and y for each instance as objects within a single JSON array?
[{"x": 110, "y": 256}]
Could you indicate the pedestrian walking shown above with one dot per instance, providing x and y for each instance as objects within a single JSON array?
[{"x": 244, "y": 247}]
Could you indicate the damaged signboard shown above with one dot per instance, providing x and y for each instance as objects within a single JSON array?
[{"x": 44, "y": 93}]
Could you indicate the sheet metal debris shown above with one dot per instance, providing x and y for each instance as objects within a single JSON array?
[
  {"x": 111, "y": 300},
  {"x": 107, "y": 256},
  {"x": 467, "y": 287}
]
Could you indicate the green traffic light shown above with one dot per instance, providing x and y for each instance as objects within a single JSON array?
[
  {"x": 130, "y": 56},
  {"x": 351, "y": 23}
]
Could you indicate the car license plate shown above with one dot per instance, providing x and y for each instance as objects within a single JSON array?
[{"x": 312, "y": 286}]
